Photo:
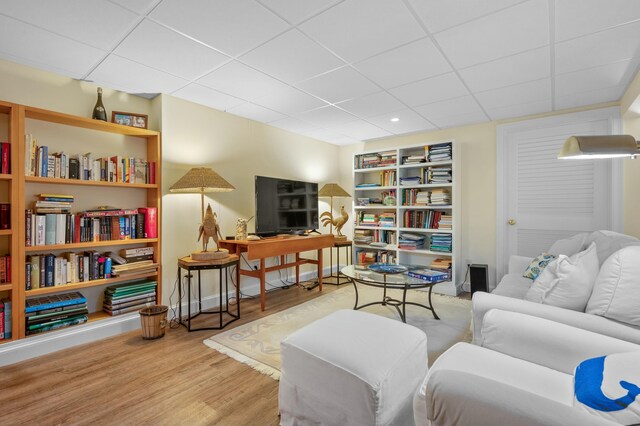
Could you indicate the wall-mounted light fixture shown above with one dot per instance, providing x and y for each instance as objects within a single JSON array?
[{"x": 604, "y": 146}]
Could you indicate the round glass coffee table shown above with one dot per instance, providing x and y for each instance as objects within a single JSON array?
[{"x": 398, "y": 281}]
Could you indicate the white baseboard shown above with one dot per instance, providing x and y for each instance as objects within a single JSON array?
[{"x": 53, "y": 341}]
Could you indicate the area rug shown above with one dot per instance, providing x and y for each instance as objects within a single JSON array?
[{"x": 257, "y": 343}]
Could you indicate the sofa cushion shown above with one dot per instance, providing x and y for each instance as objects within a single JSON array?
[
  {"x": 616, "y": 292},
  {"x": 513, "y": 285},
  {"x": 608, "y": 386},
  {"x": 608, "y": 242},
  {"x": 537, "y": 265},
  {"x": 567, "y": 282},
  {"x": 569, "y": 246}
]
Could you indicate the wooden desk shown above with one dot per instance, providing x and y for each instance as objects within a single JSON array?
[{"x": 278, "y": 246}]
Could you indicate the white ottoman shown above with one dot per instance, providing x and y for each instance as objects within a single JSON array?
[{"x": 351, "y": 368}]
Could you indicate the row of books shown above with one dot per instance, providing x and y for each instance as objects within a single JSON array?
[
  {"x": 49, "y": 270},
  {"x": 5, "y": 319},
  {"x": 40, "y": 162},
  {"x": 5, "y": 158},
  {"x": 439, "y": 152},
  {"x": 365, "y": 257},
  {"x": 5, "y": 269},
  {"x": 88, "y": 226},
  {"x": 123, "y": 298},
  {"x": 5, "y": 215},
  {"x": 55, "y": 311},
  {"x": 409, "y": 241},
  {"x": 428, "y": 219},
  {"x": 388, "y": 177},
  {"x": 372, "y": 219},
  {"x": 377, "y": 159},
  {"x": 368, "y": 236},
  {"x": 441, "y": 242}
]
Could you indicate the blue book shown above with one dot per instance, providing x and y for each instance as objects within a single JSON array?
[
  {"x": 429, "y": 275},
  {"x": 49, "y": 270},
  {"x": 44, "y": 158},
  {"x": 50, "y": 229},
  {"x": 7, "y": 318},
  {"x": 54, "y": 301}
]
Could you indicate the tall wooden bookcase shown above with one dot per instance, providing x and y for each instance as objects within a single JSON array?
[
  {"x": 376, "y": 181},
  {"x": 74, "y": 135}
]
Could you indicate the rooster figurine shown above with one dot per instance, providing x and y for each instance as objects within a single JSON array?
[
  {"x": 209, "y": 229},
  {"x": 327, "y": 218}
]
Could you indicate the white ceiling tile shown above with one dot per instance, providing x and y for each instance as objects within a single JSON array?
[
  {"x": 323, "y": 135},
  {"x": 414, "y": 61},
  {"x": 439, "y": 15},
  {"x": 457, "y": 106},
  {"x": 575, "y": 18},
  {"x": 339, "y": 85},
  {"x": 590, "y": 97},
  {"x": 328, "y": 116},
  {"x": 239, "y": 80},
  {"x": 168, "y": 51},
  {"x": 296, "y": 11},
  {"x": 527, "y": 66},
  {"x": 343, "y": 141},
  {"x": 256, "y": 112},
  {"x": 294, "y": 125},
  {"x": 409, "y": 122},
  {"x": 593, "y": 78},
  {"x": 361, "y": 130},
  {"x": 289, "y": 101},
  {"x": 460, "y": 120},
  {"x": 357, "y": 29},
  {"x": 137, "y": 6},
  {"x": 97, "y": 23},
  {"x": 232, "y": 27},
  {"x": 529, "y": 92},
  {"x": 513, "y": 30},
  {"x": 26, "y": 44},
  {"x": 520, "y": 110},
  {"x": 208, "y": 97},
  {"x": 123, "y": 74},
  {"x": 430, "y": 90},
  {"x": 605, "y": 47},
  {"x": 292, "y": 57},
  {"x": 372, "y": 105}
]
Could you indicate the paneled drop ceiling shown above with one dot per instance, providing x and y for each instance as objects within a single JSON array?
[{"x": 340, "y": 70}]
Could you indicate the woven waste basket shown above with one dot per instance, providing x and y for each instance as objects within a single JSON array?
[{"x": 154, "y": 321}]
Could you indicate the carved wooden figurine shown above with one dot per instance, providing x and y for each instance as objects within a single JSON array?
[
  {"x": 210, "y": 229},
  {"x": 327, "y": 218}
]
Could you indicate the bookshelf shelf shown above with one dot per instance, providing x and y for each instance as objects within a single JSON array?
[
  {"x": 4, "y": 176},
  {"x": 6, "y": 232},
  {"x": 431, "y": 178},
  {"x": 58, "y": 181},
  {"x": 86, "y": 284},
  {"x": 89, "y": 245},
  {"x": 6, "y": 287}
]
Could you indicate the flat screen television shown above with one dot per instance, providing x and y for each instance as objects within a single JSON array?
[{"x": 285, "y": 206}]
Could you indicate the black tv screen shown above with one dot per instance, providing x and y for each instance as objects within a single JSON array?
[{"x": 285, "y": 206}]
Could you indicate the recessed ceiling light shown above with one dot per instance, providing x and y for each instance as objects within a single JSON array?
[{"x": 395, "y": 119}]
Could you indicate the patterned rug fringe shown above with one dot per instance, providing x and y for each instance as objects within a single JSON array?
[{"x": 256, "y": 365}]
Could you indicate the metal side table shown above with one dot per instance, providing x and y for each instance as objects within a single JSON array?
[
  {"x": 222, "y": 266},
  {"x": 338, "y": 275}
]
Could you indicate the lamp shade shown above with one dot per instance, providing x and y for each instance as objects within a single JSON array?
[
  {"x": 332, "y": 190},
  {"x": 604, "y": 146},
  {"x": 201, "y": 179}
]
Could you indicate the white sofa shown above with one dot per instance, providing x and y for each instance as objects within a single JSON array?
[
  {"x": 522, "y": 375},
  {"x": 511, "y": 290}
]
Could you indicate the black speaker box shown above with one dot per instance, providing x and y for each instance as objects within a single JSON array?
[{"x": 479, "y": 277}]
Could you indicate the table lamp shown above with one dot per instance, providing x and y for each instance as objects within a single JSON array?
[
  {"x": 334, "y": 190},
  {"x": 199, "y": 180}
]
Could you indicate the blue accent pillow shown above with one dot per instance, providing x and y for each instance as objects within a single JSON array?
[
  {"x": 609, "y": 386},
  {"x": 537, "y": 265}
]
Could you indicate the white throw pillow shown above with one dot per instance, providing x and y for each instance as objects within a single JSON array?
[
  {"x": 566, "y": 282},
  {"x": 609, "y": 386},
  {"x": 616, "y": 292},
  {"x": 569, "y": 246},
  {"x": 608, "y": 242}
]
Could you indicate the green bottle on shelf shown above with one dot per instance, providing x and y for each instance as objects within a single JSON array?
[{"x": 99, "y": 112}]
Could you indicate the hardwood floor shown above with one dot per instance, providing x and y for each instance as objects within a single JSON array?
[{"x": 175, "y": 380}]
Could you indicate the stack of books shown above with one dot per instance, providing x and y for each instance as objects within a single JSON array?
[
  {"x": 439, "y": 175},
  {"x": 366, "y": 257},
  {"x": 440, "y": 197},
  {"x": 368, "y": 219},
  {"x": 445, "y": 222},
  {"x": 135, "y": 268},
  {"x": 442, "y": 265},
  {"x": 410, "y": 181},
  {"x": 55, "y": 311},
  {"x": 362, "y": 236},
  {"x": 123, "y": 298},
  {"x": 439, "y": 152},
  {"x": 53, "y": 203},
  {"x": 441, "y": 242},
  {"x": 376, "y": 159},
  {"x": 408, "y": 241},
  {"x": 387, "y": 219},
  {"x": 136, "y": 254},
  {"x": 414, "y": 159},
  {"x": 428, "y": 275}
]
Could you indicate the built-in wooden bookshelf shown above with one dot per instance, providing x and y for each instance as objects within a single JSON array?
[
  {"x": 17, "y": 188},
  {"x": 386, "y": 183}
]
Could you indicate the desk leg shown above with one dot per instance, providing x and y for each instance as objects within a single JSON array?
[
  {"x": 298, "y": 269},
  {"x": 238, "y": 276},
  {"x": 179, "y": 294},
  {"x": 320, "y": 270},
  {"x": 262, "y": 284}
]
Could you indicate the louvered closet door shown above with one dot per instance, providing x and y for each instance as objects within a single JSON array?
[{"x": 546, "y": 198}]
